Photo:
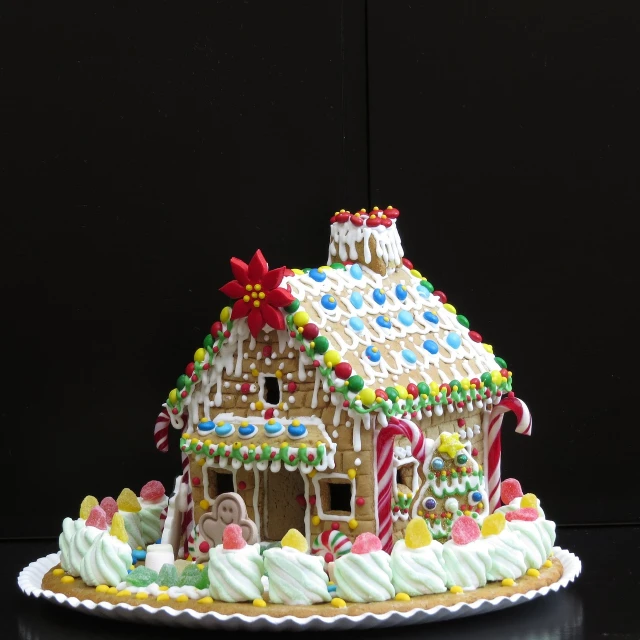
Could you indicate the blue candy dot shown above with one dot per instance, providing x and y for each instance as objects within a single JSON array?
[
  {"x": 437, "y": 464},
  {"x": 297, "y": 432},
  {"x": 356, "y": 324},
  {"x": 273, "y": 428},
  {"x": 476, "y": 496},
  {"x": 384, "y": 321},
  {"x": 409, "y": 356},
  {"x": 224, "y": 429},
  {"x": 423, "y": 291},
  {"x": 431, "y": 317},
  {"x": 249, "y": 430},
  {"x": 430, "y": 346},
  {"x": 356, "y": 299},
  {"x": 405, "y": 318},
  {"x": 206, "y": 425},
  {"x": 401, "y": 292},
  {"x": 373, "y": 353},
  {"x": 318, "y": 276},
  {"x": 430, "y": 504},
  {"x": 356, "y": 271},
  {"x": 454, "y": 340},
  {"x": 379, "y": 296},
  {"x": 328, "y": 302}
]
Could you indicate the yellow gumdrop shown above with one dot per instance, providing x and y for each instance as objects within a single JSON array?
[
  {"x": 434, "y": 387},
  {"x": 300, "y": 318},
  {"x": 173, "y": 396},
  {"x": 225, "y": 314},
  {"x": 417, "y": 534},
  {"x": 368, "y": 396},
  {"x": 294, "y": 539},
  {"x": 493, "y": 524},
  {"x": 449, "y": 307},
  {"x": 529, "y": 500},
  {"x": 402, "y": 391},
  {"x": 199, "y": 355},
  {"x": 117, "y": 528},
  {"x": 332, "y": 358},
  {"x": 128, "y": 501},
  {"x": 86, "y": 505}
]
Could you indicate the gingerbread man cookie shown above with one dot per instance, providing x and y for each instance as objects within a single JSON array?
[{"x": 227, "y": 508}]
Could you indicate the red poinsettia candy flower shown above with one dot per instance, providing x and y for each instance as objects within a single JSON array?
[{"x": 259, "y": 293}]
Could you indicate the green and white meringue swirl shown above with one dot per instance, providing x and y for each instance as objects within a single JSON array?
[
  {"x": 364, "y": 577},
  {"x": 235, "y": 575},
  {"x": 150, "y": 523},
  {"x": 295, "y": 577},
  {"x": 515, "y": 504},
  {"x": 536, "y": 539},
  {"x": 507, "y": 556},
  {"x": 107, "y": 561},
  {"x": 466, "y": 564},
  {"x": 80, "y": 543},
  {"x": 420, "y": 571},
  {"x": 69, "y": 529},
  {"x": 133, "y": 525}
]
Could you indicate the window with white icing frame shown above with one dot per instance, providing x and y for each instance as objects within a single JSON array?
[
  {"x": 406, "y": 474},
  {"x": 335, "y": 496},
  {"x": 270, "y": 392},
  {"x": 218, "y": 481}
]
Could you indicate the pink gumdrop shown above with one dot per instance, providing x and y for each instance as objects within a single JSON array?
[
  {"x": 366, "y": 543},
  {"x": 109, "y": 506},
  {"x": 509, "y": 490},
  {"x": 528, "y": 514},
  {"x": 465, "y": 530},
  {"x": 97, "y": 518},
  {"x": 152, "y": 491},
  {"x": 232, "y": 537}
]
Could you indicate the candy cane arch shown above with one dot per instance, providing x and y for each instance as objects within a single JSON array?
[
  {"x": 492, "y": 426},
  {"x": 161, "y": 438},
  {"x": 384, "y": 466}
]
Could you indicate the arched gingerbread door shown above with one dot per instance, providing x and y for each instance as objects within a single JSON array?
[{"x": 281, "y": 506}]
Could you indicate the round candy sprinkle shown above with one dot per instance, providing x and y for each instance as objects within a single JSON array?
[
  {"x": 405, "y": 318},
  {"x": 510, "y": 489},
  {"x": 356, "y": 299},
  {"x": 310, "y": 331},
  {"x": 318, "y": 276},
  {"x": 437, "y": 464},
  {"x": 384, "y": 322},
  {"x": 328, "y": 302},
  {"x": 461, "y": 459},
  {"x": 232, "y": 537},
  {"x": 409, "y": 356},
  {"x": 366, "y": 543},
  {"x": 465, "y": 530},
  {"x": 356, "y": 324},
  {"x": 454, "y": 340},
  {"x": 430, "y": 317},
  {"x": 355, "y": 271},
  {"x": 152, "y": 491},
  {"x": 332, "y": 358},
  {"x": 401, "y": 292},
  {"x": 451, "y": 505},
  {"x": 321, "y": 344},
  {"x": 430, "y": 346},
  {"x": 430, "y": 504},
  {"x": 300, "y": 318},
  {"x": 379, "y": 296},
  {"x": 343, "y": 370},
  {"x": 476, "y": 496},
  {"x": 372, "y": 353},
  {"x": 356, "y": 384},
  {"x": 367, "y": 396}
]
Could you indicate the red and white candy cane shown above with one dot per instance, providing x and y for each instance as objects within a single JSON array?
[
  {"x": 161, "y": 431},
  {"x": 384, "y": 470},
  {"x": 492, "y": 427}
]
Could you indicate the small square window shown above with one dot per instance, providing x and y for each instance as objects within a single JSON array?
[
  {"x": 271, "y": 390},
  {"x": 336, "y": 496},
  {"x": 219, "y": 482}
]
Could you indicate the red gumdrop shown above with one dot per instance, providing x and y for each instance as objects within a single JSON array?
[
  {"x": 413, "y": 390},
  {"x": 366, "y": 543},
  {"x": 465, "y": 530},
  {"x": 356, "y": 221},
  {"x": 204, "y": 547},
  {"x": 215, "y": 327},
  {"x": 528, "y": 514},
  {"x": 343, "y": 370},
  {"x": 440, "y": 294},
  {"x": 310, "y": 331},
  {"x": 386, "y": 222},
  {"x": 97, "y": 518},
  {"x": 190, "y": 369},
  {"x": 509, "y": 490},
  {"x": 406, "y": 262},
  {"x": 475, "y": 336},
  {"x": 109, "y": 506},
  {"x": 373, "y": 222},
  {"x": 152, "y": 491},
  {"x": 232, "y": 537}
]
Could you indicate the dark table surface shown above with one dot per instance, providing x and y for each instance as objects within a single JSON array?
[{"x": 604, "y": 602}]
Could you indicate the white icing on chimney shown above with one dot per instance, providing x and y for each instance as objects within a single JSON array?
[{"x": 352, "y": 231}]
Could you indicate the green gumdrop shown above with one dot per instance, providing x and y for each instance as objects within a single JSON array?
[
  {"x": 427, "y": 285},
  {"x": 203, "y": 583},
  {"x": 356, "y": 383},
  {"x": 423, "y": 388},
  {"x": 321, "y": 344},
  {"x": 182, "y": 382},
  {"x": 168, "y": 576},
  {"x": 455, "y": 385},
  {"x": 208, "y": 341},
  {"x": 392, "y": 393},
  {"x": 338, "y": 265},
  {"x": 293, "y": 307},
  {"x": 486, "y": 378},
  {"x": 501, "y": 362},
  {"x": 463, "y": 320},
  {"x": 142, "y": 577},
  {"x": 191, "y": 576}
]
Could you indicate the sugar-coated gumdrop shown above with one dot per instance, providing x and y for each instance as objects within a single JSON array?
[
  {"x": 180, "y": 564},
  {"x": 509, "y": 490},
  {"x": 168, "y": 576},
  {"x": 294, "y": 539},
  {"x": 417, "y": 534},
  {"x": 232, "y": 537},
  {"x": 86, "y": 505},
  {"x": 527, "y": 514},
  {"x": 117, "y": 528},
  {"x": 465, "y": 530},
  {"x": 493, "y": 524},
  {"x": 97, "y": 518},
  {"x": 152, "y": 491},
  {"x": 194, "y": 577},
  {"x": 128, "y": 501},
  {"x": 366, "y": 543},
  {"x": 142, "y": 577},
  {"x": 110, "y": 507},
  {"x": 529, "y": 501}
]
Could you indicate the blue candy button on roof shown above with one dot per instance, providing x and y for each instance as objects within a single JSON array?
[
  {"x": 328, "y": 302},
  {"x": 401, "y": 292},
  {"x": 431, "y": 346},
  {"x": 356, "y": 271},
  {"x": 384, "y": 321},
  {"x": 405, "y": 318},
  {"x": 423, "y": 291},
  {"x": 409, "y": 356},
  {"x": 454, "y": 340},
  {"x": 379, "y": 296},
  {"x": 356, "y": 299},
  {"x": 373, "y": 353},
  {"x": 356, "y": 324},
  {"x": 318, "y": 276},
  {"x": 431, "y": 317}
]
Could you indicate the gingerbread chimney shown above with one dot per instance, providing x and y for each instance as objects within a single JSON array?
[{"x": 369, "y": 238}]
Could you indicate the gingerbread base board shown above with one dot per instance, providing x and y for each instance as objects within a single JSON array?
[{"x": 37, "y": 579}]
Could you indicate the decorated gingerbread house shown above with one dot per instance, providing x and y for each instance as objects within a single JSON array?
[{"x": 346, "y": 398}]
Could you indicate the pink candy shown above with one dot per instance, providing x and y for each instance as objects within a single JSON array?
[
  {"x": 97, "y": 518},
  {"x": 152, "y": 491},
  {"x": 528, "y": 514},
  {"x": 366, "y": 543},
  {"x": 509, "y": 490},
  {"x": 465, "y": 530},
  {"x": 109, "y": 506},
  {"x": 232, "y": 537}
]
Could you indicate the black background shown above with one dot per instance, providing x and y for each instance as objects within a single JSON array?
[{"x": 142, "y": 145}]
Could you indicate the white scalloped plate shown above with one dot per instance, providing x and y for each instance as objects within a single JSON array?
[{"x": 30, "y": 581}]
